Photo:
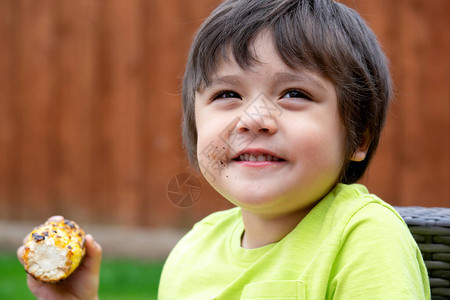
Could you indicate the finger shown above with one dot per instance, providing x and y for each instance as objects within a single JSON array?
[
  {"x": 56, "y": 218},
  {"x": 33, "y": 283},
  {"x": 93, "y": 256},
  {"x": 19, "y": 253}
]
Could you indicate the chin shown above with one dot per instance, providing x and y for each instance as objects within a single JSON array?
[{"x": 256, "y": 200}]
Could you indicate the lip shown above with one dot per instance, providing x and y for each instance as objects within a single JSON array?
[{"x": 258, "y": 151}]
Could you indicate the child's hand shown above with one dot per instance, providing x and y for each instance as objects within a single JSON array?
[{"x": 81, "y": 285}]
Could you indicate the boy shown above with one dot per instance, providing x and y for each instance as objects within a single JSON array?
[{"x": 284, "y": 102}]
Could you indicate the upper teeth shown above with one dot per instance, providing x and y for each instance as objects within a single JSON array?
[{"x": 257, "y": 157}]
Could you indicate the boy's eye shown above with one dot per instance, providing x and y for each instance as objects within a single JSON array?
[
  {"x": 226, "y": 94},
  {"x": 296, "y": 94}
]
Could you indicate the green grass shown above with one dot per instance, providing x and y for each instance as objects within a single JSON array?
[
  {"x": 127, "y": 279},
  {"x": 119, "y": 279}
]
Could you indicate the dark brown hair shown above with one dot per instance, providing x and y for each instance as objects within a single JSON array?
[{"x": 321, "y": 35}]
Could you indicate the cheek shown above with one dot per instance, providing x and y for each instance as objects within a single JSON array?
[
  {"x": 320, "y": 147},
  {"x": 213, "y": 128},
  {"x": 211, "y": 150},
  {"x": 204, "y": 131},
  {"x": 207, "y": 134}
]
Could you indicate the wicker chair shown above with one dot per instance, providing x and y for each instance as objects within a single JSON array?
[{"x": 430, "y": 228}]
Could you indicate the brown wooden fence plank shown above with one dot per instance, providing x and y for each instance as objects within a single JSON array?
[
  {"x": 102, "y": 171},
  {"x": 411, "y": 41},
  {"x": 423, "y": 117},
  {"x": 123, "y": 19},
  {"x": 436, "y": 111},
  {"x": 6, "y": 120},
  {"x": 162, "y": 87},
  {"x": 76, "y": 69},
  {"x": 33, "y": 91}
]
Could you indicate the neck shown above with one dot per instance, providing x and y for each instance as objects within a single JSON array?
[{"x": 262, "y": 230}]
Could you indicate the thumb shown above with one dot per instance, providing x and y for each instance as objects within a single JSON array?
[
  {"x": 19, "y": 253},
  {"x": 93, "y": 257}
]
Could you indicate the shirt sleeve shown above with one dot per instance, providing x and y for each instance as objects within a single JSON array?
[{"x": 378, "y": 259}]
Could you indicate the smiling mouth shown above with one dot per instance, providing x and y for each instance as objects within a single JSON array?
[{"x": 257, "y": 157}]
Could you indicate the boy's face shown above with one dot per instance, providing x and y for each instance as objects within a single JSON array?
[{"x": 270, "y": 139}]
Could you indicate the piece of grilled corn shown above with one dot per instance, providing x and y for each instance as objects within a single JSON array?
[{"x": 54, "y": 250}]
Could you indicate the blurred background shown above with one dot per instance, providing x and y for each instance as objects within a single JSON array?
[{"x": 90, "y": 113}]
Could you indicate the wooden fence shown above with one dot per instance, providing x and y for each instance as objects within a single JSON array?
[{"x": 90, "y": 107}]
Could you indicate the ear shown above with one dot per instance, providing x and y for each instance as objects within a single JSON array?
[{"x": 361, "y": 151}]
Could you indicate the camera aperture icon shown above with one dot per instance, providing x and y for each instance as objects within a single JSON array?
[{"x": 184, "y": 190}]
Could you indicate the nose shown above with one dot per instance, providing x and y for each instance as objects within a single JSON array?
[{"x": 260, "y": 116}]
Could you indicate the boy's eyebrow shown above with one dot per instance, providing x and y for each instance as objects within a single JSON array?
[
  {"x": 301, "y": 76},
  {"x": 228, "y": 79}
]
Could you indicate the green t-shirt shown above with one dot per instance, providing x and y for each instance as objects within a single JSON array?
[{"x": 352, "y": 245}]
